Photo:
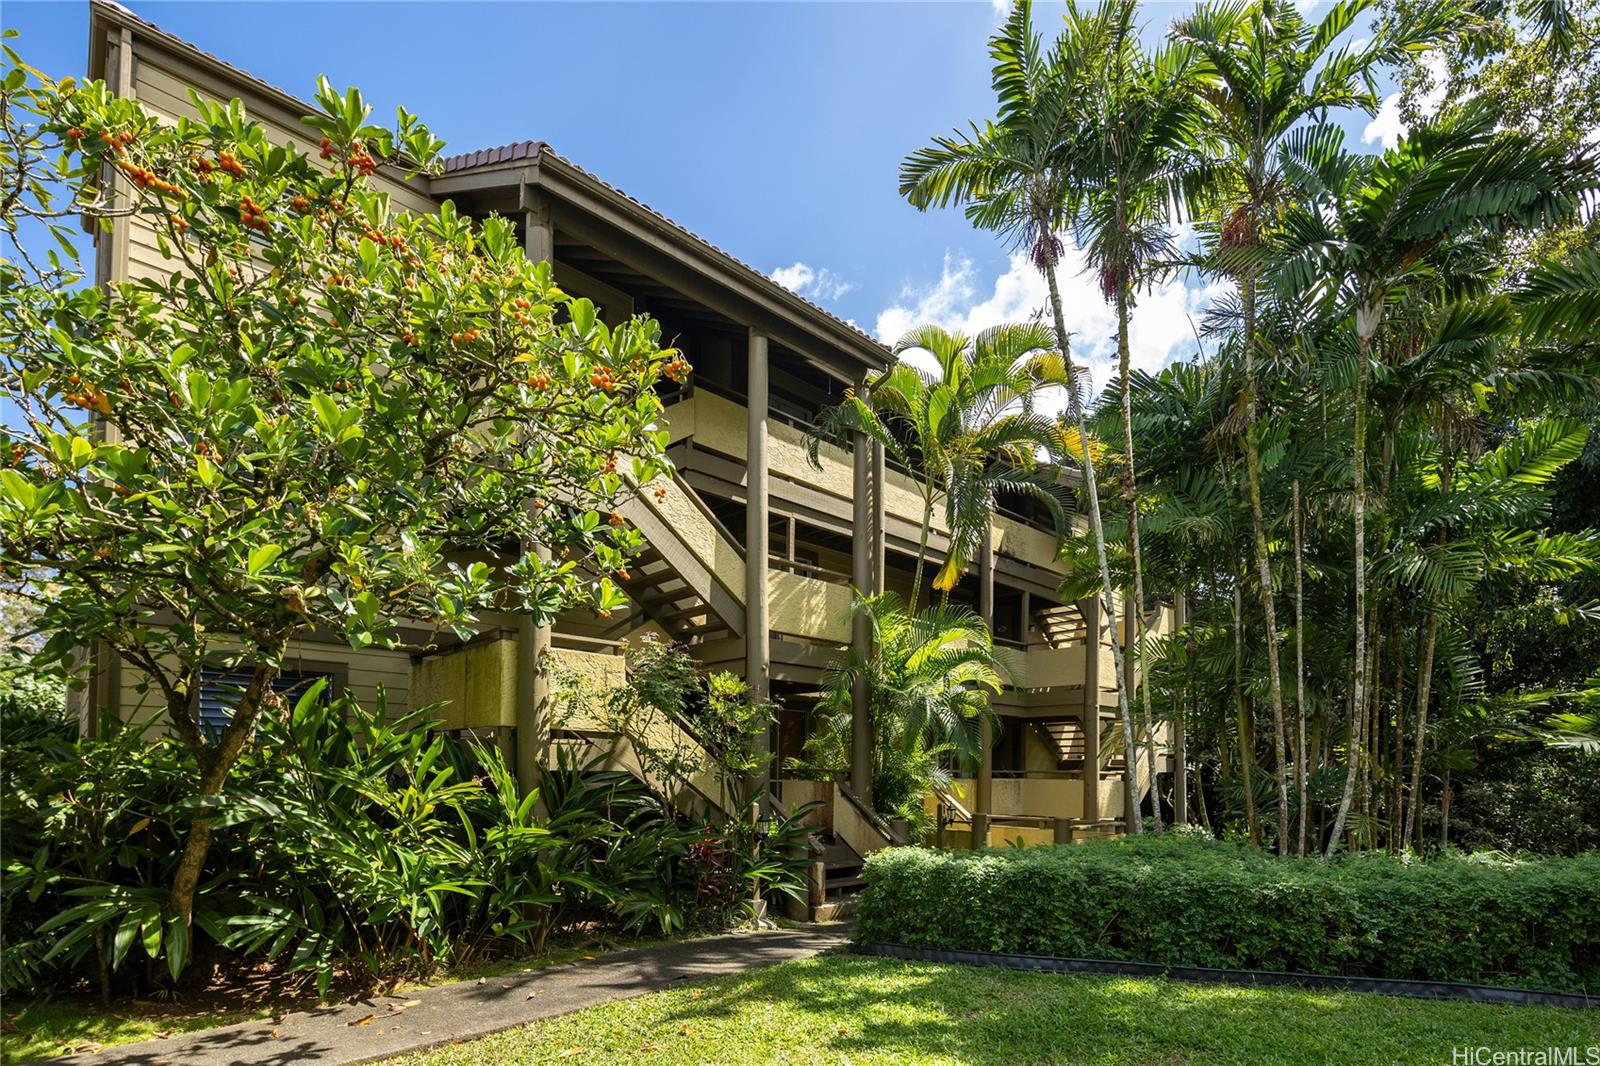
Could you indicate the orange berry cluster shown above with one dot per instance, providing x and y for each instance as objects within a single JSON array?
[
  {"x": 146, "y": 179},
  {"x": 250, "y": 215},
  {"x": 377, "y": 236},
  {"x": 360, "y": 159},
  {"x": 16, "y": 455},
  {"x": 617, "y": 519},
  {"x": 602, "y": 379},
  {"x": 228, "y": 164},
  {"x": 115, "y": 141},
  {"x": 677, "y": 368},
  {"x": 90, "y": 399},
  {"x": 464, "y": 338},
  {"x": 661, "y": 495},
  {"x": 540, "y": 381}
]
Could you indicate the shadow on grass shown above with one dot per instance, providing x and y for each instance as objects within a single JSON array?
[{"x": 852, "y": 1007}]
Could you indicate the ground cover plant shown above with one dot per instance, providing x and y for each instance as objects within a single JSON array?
[
  {"x": 845, "y": 1008},
  {"x": 1528, "y": 922}
]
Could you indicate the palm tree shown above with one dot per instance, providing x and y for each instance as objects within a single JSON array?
[
  {"x": 969, "y": 432},
  {"x": 1019, "y": 175},
  {"x": 928, "y": 682},
  {"x": 1145, "y": 117},
  {"x": 1372, "y": 226},
  {"x": 1267, "y": 70}
]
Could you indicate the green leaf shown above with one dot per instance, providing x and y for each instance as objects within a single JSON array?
[
  {"x": 261, "y": 557},
  {"x": 18, "y": 489},
  {"x": 210, "y": 476}
]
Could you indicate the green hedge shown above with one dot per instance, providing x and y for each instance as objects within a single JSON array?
[{"x": 1197, "y": 902}]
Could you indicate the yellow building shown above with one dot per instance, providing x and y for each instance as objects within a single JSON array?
[{"x": 753, "y": 554}]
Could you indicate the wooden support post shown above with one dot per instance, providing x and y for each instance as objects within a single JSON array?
[
  {"x": 1025, "y": 633},
  {"x": 1180, "y": 741},
  {"x": 860, "y": 626},
  {"x": 1063, "y": 830},
  {"x": 983, "y": 799},
  {"x": 980, "y": 830},
  {"x": 757, "y": 632},
  {"x": 878, "y": 560},
  {"x": 1090, "y": 609},
  {"x": 533, "y": 640}
]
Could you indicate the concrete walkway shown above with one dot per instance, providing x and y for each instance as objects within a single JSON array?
[{"x": 383, "y": 1026}]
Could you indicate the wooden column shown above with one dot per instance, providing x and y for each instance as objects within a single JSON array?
[
  {"x": 757, "y": 631},
  {"x": 1090, "y": 609},
  {"x": 983, "y": 799},
  {"x": 860, "y": 627},
  {"x": 533, "y": 640},
  {"x": 878, "y": 560},
  {"x": 1180, "y": 741}
]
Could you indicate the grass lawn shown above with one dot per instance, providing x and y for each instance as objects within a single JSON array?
[
  {"x": 845, "y": 1008},
  {"x": 36, "y": 1029}
]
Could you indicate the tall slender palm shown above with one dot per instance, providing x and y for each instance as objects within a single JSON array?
[
  {"x": 1266, "y": 71},
  {"x": 1143, "y": 157},
  {"x": 969, "y": 432},
  {"x": 1019, "y": 175},
  {"x": 1372, "y": 226}
]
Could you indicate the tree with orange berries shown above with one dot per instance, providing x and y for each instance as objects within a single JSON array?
[{"x": 324, "y": 414}]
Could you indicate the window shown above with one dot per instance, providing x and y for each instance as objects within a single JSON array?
[{"x": 220, "y": 691}]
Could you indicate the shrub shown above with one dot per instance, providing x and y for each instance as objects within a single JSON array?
[
  {"x": 1183, "y": 901},
  {"x": 346, "y": 843}
]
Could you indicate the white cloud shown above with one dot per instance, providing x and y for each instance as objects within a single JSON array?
[
  {"x": 814, "y": 283},
  {"x": 1161, "y": 330},
  {"x": 1387, "y": 126}
]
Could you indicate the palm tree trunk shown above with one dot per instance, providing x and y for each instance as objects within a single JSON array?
[
  {"x": 1364, "y": 332},
  {"x": 1252, "y": 464},
  {"x": 1301, "y": 767},
  {"x": 1075, "y": 404},
  {"x": 1130, "y": 499},
  {"x": 1424, "y": 683},
  {"x": 1242, "y": 713}
]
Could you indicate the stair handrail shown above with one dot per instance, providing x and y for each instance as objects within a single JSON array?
[{"x": 870, "y": 816}]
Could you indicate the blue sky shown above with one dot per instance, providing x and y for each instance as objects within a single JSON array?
[{"x": 775, "y": 130}]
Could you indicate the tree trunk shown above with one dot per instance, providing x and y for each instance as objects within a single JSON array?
[
  {"x": 215, "y": 762},
  {"x": 1241, "y": 712},
  {"x": 1075, "y": 404},
  {"x": 1300, "y": 754},
  {"x": 1130, "y": 499},
  {"x": 1364, "y": 333},
  {"x": 1252, "y": 463},
  {"x": 1424, "y": 684}
]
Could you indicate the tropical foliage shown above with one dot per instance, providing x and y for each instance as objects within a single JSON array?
[
  {"x": 1361, "y": 463},
  {"x": 287, "y": 430},
  {"x": 928, "y": 681},
  {"x": 352, "y": 843}
]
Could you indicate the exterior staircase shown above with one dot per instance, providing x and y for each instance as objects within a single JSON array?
[{"x": 690, "y": 577}]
